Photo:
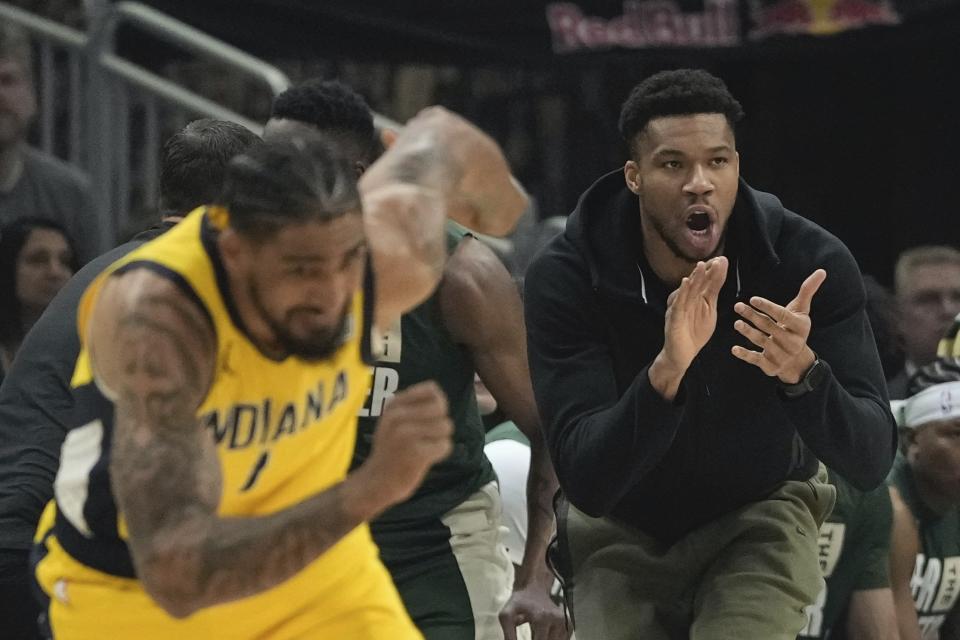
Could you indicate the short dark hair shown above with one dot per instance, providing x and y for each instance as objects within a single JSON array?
[
  {"x": 939, "y": 371},
  {"x": 15, "y": 45},
  {"x": 679, "y": 92},
  {"x": 289, "y": 181},
  {"x": 194, "y": 162},
  {"x": 925, "y": 255},
  {"x": 13, "y": 237},
  {"x": 334, "y": 108}
]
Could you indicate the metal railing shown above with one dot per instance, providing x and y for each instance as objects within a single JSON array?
[
  {"x": 118, "y": 89},
  {"x": 110, "y": 102},
  {"x": 116, "y": 112}
]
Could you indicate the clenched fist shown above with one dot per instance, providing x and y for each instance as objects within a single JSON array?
[{"x": 413, "y": 433}]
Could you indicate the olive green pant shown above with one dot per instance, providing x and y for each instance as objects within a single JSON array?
[{"x": 747, "y": 575}]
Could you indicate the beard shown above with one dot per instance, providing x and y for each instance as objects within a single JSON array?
[
  {"x": 674, "y": 246},
  {"x": 320, "y": 344}
]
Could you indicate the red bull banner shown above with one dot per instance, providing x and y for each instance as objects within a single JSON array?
[
  {"x": 534, "y": 32},
  {"x": 644, "y": 24},
  {"x": 655, "y": 23},
  {"x": 818, "y": 17}
]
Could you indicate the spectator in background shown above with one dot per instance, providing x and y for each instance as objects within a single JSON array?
[
  {"x": 32, "y": 183},
  {"x": 925, "y": 490},
  {"x": 949, "y": 346},
  {"x": 927, "y": 286},
  {"x": 35, "y": 400},
  {"x": 854, "y": 542},
  {"x": 36, "y": 260}
]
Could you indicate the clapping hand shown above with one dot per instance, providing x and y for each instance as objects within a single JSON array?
[{"x": 780, "y": 333}]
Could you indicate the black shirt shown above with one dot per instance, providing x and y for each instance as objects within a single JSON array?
[
  {"x": 595, "y": 315},
  {"x": 35, "y": 403}
]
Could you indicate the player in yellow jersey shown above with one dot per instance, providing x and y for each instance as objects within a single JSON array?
[{"x": 203, "y": 492}]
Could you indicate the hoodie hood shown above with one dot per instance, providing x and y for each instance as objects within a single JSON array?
[{"x": 605, "y": 229}]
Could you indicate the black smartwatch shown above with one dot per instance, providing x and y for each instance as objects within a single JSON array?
[{"x": 810, "y": 380}]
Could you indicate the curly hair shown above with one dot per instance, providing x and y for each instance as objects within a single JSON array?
[
  {"x": 331, "y": 107},
  {"x": 675, "y": 93},
  {"x": 283, "y": 182}
]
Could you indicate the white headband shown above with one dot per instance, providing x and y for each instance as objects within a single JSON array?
[{"x": 939, "y": 402}]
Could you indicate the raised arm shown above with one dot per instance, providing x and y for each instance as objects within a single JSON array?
[
  {"x": 153, "y": 355},
  {"x": 439, "y": 166},
  {"x": 442, "y": 151},
  {"x": 482, "y": 310}
]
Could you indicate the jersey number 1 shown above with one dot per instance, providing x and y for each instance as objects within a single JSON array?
[{"x": 255, "y": 473}]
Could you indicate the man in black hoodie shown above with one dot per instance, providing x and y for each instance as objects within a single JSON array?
[{"x": 693, "y": 357}]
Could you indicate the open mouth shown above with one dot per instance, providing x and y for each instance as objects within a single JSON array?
[{"x": 698, "y": 221}]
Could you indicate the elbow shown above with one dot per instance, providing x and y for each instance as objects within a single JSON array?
[
  {"x": 862, "y": 451},
  {"x": 885, "y": 456},
  {"x": 872, "y": 473},
  {"x": 867, "y": 474},
  {"x": 878, "y": 476},
  {"x": 502, "y": 220},
  {"x": 176, "y": 608},
  {"x": 865, "y": 481},
  {"x": 586, "y": 476},
  {"x": 168, "y": 582},
  {"x": 173, "y": 600}
]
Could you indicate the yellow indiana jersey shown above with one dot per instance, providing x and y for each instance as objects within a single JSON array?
[{"x": 284, "y": 430}]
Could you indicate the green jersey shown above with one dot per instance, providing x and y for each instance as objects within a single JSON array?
[
  {"x": 936, "y": 575},
  {"x": 420, "y": 348},
  {"x": 854, "y": 547}
]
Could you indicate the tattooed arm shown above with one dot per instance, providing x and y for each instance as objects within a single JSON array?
[
  {"x": 442, "y": 151},
  {"x": 439, "y": 166},
  {"x": 154, "y": 354}
]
